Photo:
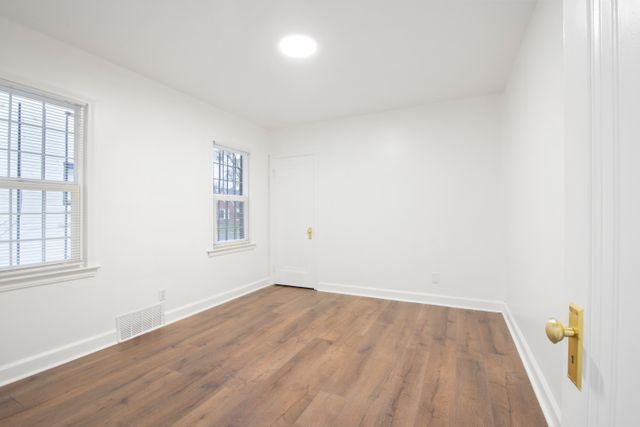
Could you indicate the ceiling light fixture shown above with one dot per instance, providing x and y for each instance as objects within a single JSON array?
[{"x": 298, "y": 46}]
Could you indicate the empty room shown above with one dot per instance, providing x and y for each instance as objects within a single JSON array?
[{"x": 319, "y": 212}]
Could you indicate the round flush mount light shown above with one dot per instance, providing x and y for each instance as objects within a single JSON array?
[{"x": 298, "y": 46}]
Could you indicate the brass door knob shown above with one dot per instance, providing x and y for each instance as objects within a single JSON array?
[
  {"x": 310, "y": 233},
  {"x": 556, "y": 331}
]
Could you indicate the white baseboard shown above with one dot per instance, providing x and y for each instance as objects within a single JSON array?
[
  {"x": 548, "y": 403},
  {"x": 407, "y": 296},
  {"x": 32, "y": 365},
  {"x": 190, "y": 309}
]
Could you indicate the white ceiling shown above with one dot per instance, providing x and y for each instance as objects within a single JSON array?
[{"x": 373, "y": 55}]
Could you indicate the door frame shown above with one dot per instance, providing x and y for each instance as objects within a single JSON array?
[{"x": 316, "y": 227}]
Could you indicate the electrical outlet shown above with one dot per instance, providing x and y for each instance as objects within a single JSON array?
[
  {"x": 162, "y": 295},
  {"x": 435, "y": 278}
]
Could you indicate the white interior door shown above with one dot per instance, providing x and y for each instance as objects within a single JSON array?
[
  {"x": 293, "y": 209},
  {"x": 602, "y": 41}
]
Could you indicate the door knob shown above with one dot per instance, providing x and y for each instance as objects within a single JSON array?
[
  {"x": 556, "y": 331},
  {"x": 310, "y": 233}
]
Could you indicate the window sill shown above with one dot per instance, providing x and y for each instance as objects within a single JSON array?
[
  {"x": 231, "y": 249},
  {"x": 45, "y": 276}
]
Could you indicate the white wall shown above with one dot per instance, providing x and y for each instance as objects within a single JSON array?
[
  {"x": 149, "y": 206},
  {"x": 534, "y": 158},
  {"x": 406, "y": 193}
]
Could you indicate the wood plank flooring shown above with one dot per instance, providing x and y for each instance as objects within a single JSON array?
[{"x": 285, "y": 356}]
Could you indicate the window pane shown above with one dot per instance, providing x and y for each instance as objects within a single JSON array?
[
  {"x": 4, "y": 146},
  {"x": 26, "y": 139},
  {"x": 59, "y": 118},
  {"x": 4, "y": 255},
  {"x": 26, "y": 111},
  {"x": 57, "y": 225},
  {"x": 5, "y": 229},
  {"x": 58, "y": 202},
  {"x": 26, "y": 252},
  {"x": 4, "y": 158},
  {"x": 25, "y": 165},
  {"x": 57, "y": 250},
  {"x": 230, "y": 221},
  {"x": 4, "y": 201},
  {"x": 4, "y": 135},
  {"x": 228, "y": 172},
  {"x": 26, "y": 227},
  {"x": 26, "y": 201},
  {"x": 58, "y": 169},
  {"x": 4, "y": 106},
  {"x": 30, "y": 234},
  {"x": 59, "y": 143}
]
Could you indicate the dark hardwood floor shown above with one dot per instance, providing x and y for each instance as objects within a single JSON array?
[{"x": 285, "y": 356}]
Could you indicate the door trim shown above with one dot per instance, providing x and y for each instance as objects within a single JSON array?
[{"x": 316, "y": 221}]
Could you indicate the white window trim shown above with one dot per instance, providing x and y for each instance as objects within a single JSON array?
[
  {"x": 20, "y": 277},
  {"x": 46, "y": 275},
  {"x": 233, "y": 246},
  {"x": 231, "y": 249}
]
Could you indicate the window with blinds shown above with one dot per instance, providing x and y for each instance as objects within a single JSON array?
[
  {"x": 230, "y": 196},
  {"x": 40, "y": 179}
]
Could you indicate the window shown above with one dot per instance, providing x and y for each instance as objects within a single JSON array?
[
  {"x": 230, "y": 196},
  {"x": 41, "y": 141}
]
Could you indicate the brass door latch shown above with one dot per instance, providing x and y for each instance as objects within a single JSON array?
[
  {"x": 310, "y": 233},
  {"x": 556, "y": 332}
]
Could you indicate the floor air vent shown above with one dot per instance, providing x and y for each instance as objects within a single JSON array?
[{"x": 138, "y": 322}]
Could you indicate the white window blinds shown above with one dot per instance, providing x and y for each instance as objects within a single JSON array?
[{"x": 41, "y": 142}]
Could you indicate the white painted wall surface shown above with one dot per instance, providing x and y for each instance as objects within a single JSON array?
[
  {"x": 407, "y": 193},
  {"x": 149, "y": 198},
  {"x": 534, "y": 157}
]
